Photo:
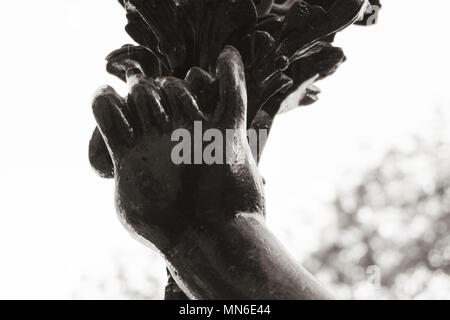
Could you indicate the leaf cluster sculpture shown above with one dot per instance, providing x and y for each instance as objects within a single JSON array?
[{"x": 286, "y": 46}]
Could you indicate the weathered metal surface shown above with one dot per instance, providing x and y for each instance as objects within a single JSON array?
[
  {"x": 276, "y": 47},
  {"x": 282, "y": 49}
]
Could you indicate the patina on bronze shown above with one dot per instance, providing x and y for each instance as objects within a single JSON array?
[{"x": 230, "y": 64}]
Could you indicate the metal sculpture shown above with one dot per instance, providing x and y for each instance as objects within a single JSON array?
[{"x": 229, "y": 64}]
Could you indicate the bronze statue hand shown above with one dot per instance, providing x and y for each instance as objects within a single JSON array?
[
  {"x": 158, "y": 199},
  {"x": 206, "y": 219}
]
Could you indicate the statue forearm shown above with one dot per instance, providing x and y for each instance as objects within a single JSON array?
[
  {"x": 178, "y": 77},
  {"x": 241, "y": 259}
]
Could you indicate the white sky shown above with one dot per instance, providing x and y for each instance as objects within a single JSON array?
[{"x": 57, "y": 220}]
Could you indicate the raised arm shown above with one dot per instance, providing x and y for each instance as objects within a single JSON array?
[
  {"x": 207, "y": 217},
  {"x": 240, "y": 259}
]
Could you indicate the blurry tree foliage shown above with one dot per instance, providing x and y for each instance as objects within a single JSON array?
[{"x": 393, "y": 225}]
